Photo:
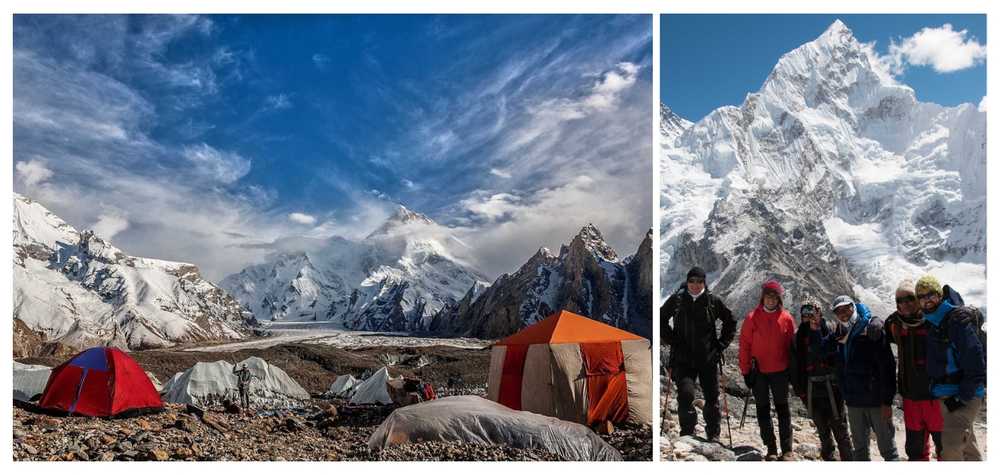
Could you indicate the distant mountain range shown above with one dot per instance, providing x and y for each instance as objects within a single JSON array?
[{"x": 74, "y": 289}]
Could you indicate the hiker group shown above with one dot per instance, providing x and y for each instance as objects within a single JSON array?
[{"x": 842, "y": 369}]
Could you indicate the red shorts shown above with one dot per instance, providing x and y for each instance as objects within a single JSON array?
[{"x": 922, "y": 415}]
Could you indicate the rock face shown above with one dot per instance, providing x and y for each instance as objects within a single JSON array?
[
  {"x": 395, "y": 279},
  {"x": 587, "y": 277},
  {"x": 832, "y": 177},
  {"x": 76, "y": 290}
]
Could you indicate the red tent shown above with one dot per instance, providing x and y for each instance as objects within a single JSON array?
[{"x": 100, "y": 382}]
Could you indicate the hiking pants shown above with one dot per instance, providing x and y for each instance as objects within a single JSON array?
[
  {"x": 776, "y": 385},
  {"x": 245, "y": 398},
  {"x": 864, "y": 421},
  {"x": 923, "y": 422},
  {"x": 684, "y": 377},
  {"x": 957, "y": 436},
  {"x": 832, "y": 430}
]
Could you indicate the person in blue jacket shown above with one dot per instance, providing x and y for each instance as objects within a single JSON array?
[
  {"x": 867, "y": 378},
  {"x": 956, "y": 365}
]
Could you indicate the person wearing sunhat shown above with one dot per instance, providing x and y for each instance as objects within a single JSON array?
[
  {"x": 956, "y": 365},
  {"x": 867, "y": 378},
  {"x": 695, "y": 349},
  {"x": 766, "y": 338},
  {"x": 814, "y": 378},
  {"x": 908, "y": 330}
]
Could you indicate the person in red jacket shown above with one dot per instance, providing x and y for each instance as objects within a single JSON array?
[{"x": 766, "y": 337}]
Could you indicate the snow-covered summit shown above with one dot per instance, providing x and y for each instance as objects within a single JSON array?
[{"x": 393, "y": 280}]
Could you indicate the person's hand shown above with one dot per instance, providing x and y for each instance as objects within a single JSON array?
[
  {"x": 886, "y": 413},
  {"x": 953, "y": 403}
]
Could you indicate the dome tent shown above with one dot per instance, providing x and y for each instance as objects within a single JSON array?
[
  {"x": 100, "y": 382},
  {"x": 574, "y": 368}
]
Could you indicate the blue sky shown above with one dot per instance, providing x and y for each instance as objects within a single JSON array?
[
  {"x": 710, "y": 61},
  {"x": 201, "y": 138}
]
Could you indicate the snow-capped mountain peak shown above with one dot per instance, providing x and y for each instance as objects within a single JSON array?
[
  {"x": 78, "y": 289},
  {"x": 393, "y": 280},
  {"x": 831, "y": 167}
]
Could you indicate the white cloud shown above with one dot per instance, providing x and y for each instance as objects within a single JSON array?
[
  {"x": 302, "y": 218},
  {"x": 109, "y": 224},
  {"x": 943, "y": 49},
  {"x": 277, "y": 102},
  {"x": 493, "y": 206},
  {"x": 219, "y": 165},
  {"x": 32, "y": 172},
  {"x": 321, "y": 61},
  {"x": 982, "y": 105},
  {"x": 500, "y": 173}
]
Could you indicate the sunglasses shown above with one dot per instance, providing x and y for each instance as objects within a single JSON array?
[
  {"x": 808, "y": 311},
  {"x": 925, "y": 296},
  {"x": 907, "y": 299},
  {"x": 696, "y": 281}
]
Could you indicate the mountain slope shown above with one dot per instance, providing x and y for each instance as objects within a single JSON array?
[
  {"x": 832, "y": 177},
  {"x": 394, "y": 280},
  {"x": 587, "y": 277},
  {"x": 79, "y": 290}
]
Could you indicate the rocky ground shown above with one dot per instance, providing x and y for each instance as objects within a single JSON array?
[
  {"x": 181, "y": 433},
  {"x": 746, "y": 444}
]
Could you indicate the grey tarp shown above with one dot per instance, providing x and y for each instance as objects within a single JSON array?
[{"x": 476, "y": 420}]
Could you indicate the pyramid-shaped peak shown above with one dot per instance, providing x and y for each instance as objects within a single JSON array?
[
  {"x": 400, "y": 217},
  {"x": 406, "y": 215},
  {"x": 590, "y": 238}
]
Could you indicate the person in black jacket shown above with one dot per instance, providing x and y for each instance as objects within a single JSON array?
[
  {"x": 695, "y": 349},
  {"x": 908, "y": 330},
  {"x": 867, "y": 378},
  {"x": 814, "y": 378}
]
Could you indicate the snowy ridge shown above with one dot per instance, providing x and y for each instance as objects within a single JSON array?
[
  {"x": 80, "y": 290},
  {"x": 396, "y": 279},
  {"x": 832, "y": 168}
]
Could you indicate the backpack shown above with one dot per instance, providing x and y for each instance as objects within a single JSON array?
[{"x": 975, "y": 318}]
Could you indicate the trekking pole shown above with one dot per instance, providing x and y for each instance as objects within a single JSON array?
[
  {"x": 725, "y": 399},
  {"x": 746, "y": 400}
]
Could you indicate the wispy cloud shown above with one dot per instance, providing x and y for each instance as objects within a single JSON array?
[
  {"x": 321, "y": 61},
  {"x": 32, "y": 172},
  {"x": 277, "y": 102}
]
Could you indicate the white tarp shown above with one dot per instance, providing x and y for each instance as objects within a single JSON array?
[
  {"x": 343, "y": 386},
  {"x": 209, "y": 383},
  {"x": 156, "y": 382},
  {"x": 29, "y": 380},
  {"x": 477, "y": 420},
  {"x": 374, "y": 390}
]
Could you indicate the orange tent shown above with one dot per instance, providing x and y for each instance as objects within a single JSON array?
[{"x": 574, "y": 368}]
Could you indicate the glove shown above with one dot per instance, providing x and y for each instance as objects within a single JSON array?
[{"x": 953, "y": 403}]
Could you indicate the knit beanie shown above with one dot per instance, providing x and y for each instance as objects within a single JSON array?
[{"x": 928, "y": 284}]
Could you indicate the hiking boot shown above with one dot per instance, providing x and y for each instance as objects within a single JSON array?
[
  {"x": 772, "y": 454},
  {"x": 789, "y": 457},
  {"x": 714, "y": 438}
]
